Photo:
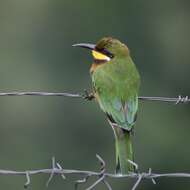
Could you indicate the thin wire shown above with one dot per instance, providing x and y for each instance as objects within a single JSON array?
[
  {"x": 176, "y": 100},
  {"x": 16, "y": 93}
]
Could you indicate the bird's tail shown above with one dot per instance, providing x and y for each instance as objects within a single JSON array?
[{"x": 124, "y": 151}]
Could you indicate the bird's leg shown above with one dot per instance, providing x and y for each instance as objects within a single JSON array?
[{"x": 87, "y": 95}]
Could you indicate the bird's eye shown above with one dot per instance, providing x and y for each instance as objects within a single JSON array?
[
  {"x": 108, "y": 53},
  {"x": 100, "y": 56}
]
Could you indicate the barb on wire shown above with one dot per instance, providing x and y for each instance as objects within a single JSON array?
[
  {"x": 179, "y": 99},
  {"x": 89, "y": 96},
  {"x": 102, "y": 175},
  {"x": 140, "y": 176},
  {"x": 107, "y": 185},
  {"x": 52, "y": 173},
  {"x": 59, "y": 166},
  {"x": 81, "y": 181},
  {"x": 96, "y": 183},
  {"x": 152, "y": 179},
  {"x": 134, "y": 164},
  {"x": 27, "y": 180}
]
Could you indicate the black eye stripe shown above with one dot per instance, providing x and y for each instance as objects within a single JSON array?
[{"x": 105, "y": 52}]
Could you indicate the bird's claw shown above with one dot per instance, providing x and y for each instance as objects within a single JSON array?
[{"x": 87, "y": 95}]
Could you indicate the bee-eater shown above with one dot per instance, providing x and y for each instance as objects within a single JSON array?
[{"x": 116, "y": 83}]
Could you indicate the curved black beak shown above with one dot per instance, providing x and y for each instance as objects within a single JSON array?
[{"x": 85, "y": 45}]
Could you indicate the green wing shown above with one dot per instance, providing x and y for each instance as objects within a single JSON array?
[
  {"x": 116, "y": 91},
  {"x": 122, "y": 113}
]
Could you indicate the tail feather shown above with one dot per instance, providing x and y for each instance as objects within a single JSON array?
[
  {"x": 124, "y": 151},
  {"x": 123, "y": 148}
]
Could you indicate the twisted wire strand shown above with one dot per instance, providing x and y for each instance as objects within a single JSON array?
[{"x": 85, "y": 95}]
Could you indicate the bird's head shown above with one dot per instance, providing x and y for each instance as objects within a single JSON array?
[{"x": 106, "y": 49}]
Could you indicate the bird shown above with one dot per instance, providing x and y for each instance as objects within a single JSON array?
[{"x": 115, "y": 84}]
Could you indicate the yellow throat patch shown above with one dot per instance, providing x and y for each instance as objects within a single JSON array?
[{"x": 100, "y": 56}]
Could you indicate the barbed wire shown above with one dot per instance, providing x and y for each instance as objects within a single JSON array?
[
  {"x": 89, "y": 96},
  {"x": 102, "y": 176}
]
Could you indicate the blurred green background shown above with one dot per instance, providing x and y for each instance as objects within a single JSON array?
[{"x": 36, "y": 55}]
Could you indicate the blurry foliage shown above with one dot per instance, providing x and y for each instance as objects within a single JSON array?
[{"x": 36, "y": 54}]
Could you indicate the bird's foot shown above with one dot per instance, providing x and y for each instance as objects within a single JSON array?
[{"x": 87, "y": 95}]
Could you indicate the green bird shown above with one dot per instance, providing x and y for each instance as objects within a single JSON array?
[{"x": 116, "y": 84}]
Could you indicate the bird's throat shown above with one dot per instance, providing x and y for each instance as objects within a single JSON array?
[{"x": 96, "y": 64}]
